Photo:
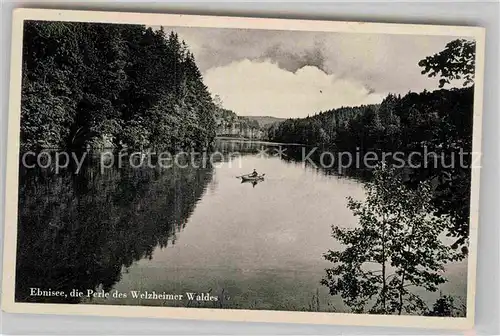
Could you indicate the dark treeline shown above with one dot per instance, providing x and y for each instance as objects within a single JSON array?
[
  {"x": 430, "y": 131},
  {"x": 90, "y": 85},
  {"x": 435, "y": 119}
]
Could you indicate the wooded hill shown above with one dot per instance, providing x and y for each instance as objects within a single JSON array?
[
  {"x": 89, "y": 85},
  {"x": 265, "y": 121}
]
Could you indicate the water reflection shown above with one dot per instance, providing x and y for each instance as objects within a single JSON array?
[
  {"x": 252, "y": 182},
  {"x": 79, "y": 231}
]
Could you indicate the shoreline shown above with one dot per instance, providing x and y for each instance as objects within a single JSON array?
[{"x": 258, "y": 141}]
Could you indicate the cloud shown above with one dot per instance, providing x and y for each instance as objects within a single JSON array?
[
  {"x": 261, "y": 87},
  {"x": 378, "y": 63}
]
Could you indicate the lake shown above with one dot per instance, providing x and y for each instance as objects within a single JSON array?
[{"x": 177, "y": 230}]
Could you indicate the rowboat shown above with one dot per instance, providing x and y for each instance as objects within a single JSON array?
[{"x": 252, "y": 178}]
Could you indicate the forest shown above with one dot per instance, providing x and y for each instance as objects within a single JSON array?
[{"x": 92, "y": 85}]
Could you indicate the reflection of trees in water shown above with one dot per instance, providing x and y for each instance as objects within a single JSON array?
[
  {"x": 332, "y": 163},
  {"x": 78, "y": 231},
  {"x": 307, "y": 156}
]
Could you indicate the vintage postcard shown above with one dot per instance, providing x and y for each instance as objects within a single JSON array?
[{"x": 243, "y": 169}]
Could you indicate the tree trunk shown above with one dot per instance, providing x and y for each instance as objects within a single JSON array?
[{"x": 400, "y": 308}]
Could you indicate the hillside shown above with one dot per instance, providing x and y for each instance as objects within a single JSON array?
[
  {"x": 230, "y": 124},
  {"x": 265, "y": 121}
]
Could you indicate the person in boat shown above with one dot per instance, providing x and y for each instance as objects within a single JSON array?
[{"x": 254, "y": 174}]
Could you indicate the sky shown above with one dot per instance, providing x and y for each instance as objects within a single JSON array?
[{"x": 292, "y": 74}]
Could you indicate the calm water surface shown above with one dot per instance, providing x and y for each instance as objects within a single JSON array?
[{"x": 200, "y": 230}]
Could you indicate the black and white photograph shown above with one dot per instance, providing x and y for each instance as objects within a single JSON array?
[{"x": 243, "y": 165}]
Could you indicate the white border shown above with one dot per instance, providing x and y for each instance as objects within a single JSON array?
[{"x": 10, "y": 237}]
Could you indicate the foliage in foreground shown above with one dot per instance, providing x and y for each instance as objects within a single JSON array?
[{"x": 396, "y": 248}]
